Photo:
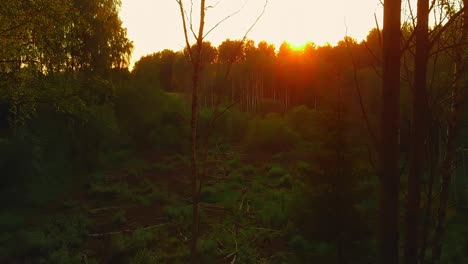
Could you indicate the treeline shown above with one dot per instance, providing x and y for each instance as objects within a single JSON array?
[{"x": 255, "y": 76}]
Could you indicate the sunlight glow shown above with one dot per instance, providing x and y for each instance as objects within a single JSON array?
[
  {"x": 297, "y": 47},
  {"x": 155, "y": 25}
]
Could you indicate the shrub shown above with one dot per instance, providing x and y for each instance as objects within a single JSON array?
[
  {"x": 276, "y": 171},
  {"x": 127, "y": 244},
  {"x": 229, "y": 125},
  {"x": 304, "y": 122},
  {"x": 144, "y": 256},
  {"x": 269, "y": 106},
  {"x": 20, "y": 160},
  {"x": 152, "y": 119},
  {"x": 270, "y": 135}
]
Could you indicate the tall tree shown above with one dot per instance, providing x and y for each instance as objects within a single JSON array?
[
  {"x": 389, "y": 128},
  {"x": 195, "y": 55},
  {"x": 419, "y": 101}
]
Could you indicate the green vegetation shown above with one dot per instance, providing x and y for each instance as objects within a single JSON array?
[{"x": 95, "y": 159}]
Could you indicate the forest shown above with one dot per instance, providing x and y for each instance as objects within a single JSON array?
[{"x": 242, "y": 152}]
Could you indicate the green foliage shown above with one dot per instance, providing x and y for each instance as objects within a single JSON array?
[
  {"x": 269, "y": 106},
  {"x": 125, "y": 244},
  {"x": 116, "y": 190},
  {"x": 275, "y": 209},
  {"x": 94, "y": 136},
  {"x": 234, "y": 163},
  {"x": 20, "y": 159},
  {"x": 179, "y": 213},
  {"x": 208, "y": 250},
  {"x": 226, "y": 194},
  {"x": 456, "y": 245},
  {"x": 270, "y": 135},
  {"x": 231, "y": 125},
  {"x": 304, "y": 122},
  {"x": 276, "y": 171},
  {"x": 57, "y": 241},
  {"x": 153, "y": 119},
  {"x": 119, "y": 218},
  {"x": 63, "y": 255},
  {"x": 144, "y": 256},
  {"x": 156, "y": 69}
]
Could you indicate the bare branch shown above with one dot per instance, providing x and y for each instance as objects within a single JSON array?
[
  {"x": 213, "y": 6},
  {"x": 184, "y": 24},
  {"x": 256, "y": 21},
  {"x": 191, "y": 25},
  {"x": 378, "y": 29},
  {"x": 452, "y": 20},
  {"x": 412, "y": 16},
  {"x": 225, "y": 19}
]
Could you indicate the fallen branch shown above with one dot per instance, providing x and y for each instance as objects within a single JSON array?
[
  {"x": 96, "y": 235},
  {"x": 105, "y": 209},
  {"x": 266, "y": 229}
]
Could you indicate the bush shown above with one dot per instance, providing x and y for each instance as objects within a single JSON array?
[
  {"x": 20, "y": 159},
  {"x": 152, "y": 119},
  {"x": 270, "y": 135},
  {"x": 58, "y": 241},
  {"x": 269, "y": 106},
  {"x": 230, "y": 124},
  {"x": 304, "y": 122},
  {"x": 276, "y": 171},
  {"x": 128, "y": 244},
  {"x": 144, "y": 256}
]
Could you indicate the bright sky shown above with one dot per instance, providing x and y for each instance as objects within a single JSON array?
[{"x": 155, "y": 25}]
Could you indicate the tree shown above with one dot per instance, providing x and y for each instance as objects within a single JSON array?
[
  {"x": 156, "y": 69},
  {"x": 195, "y": 56},
  {"x": 197, "y": 59},
  {"x": 389, "y": 128},
  {"x": 420, "y": 110},
  {"x": 64, "y": 39},
  {"x": 229, "y": 52},
  {"x": 333, "y": 194}
]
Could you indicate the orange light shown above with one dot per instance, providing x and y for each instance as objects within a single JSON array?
[{"x": 297, "y": 47}]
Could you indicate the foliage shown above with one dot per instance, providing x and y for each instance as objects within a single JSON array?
[
  {"x": 304, "y": 122},
  {"x": 270, "y": 134},
  {"x": 152, "y": 118},
  {"x": 288, "y": 179},
  {"x": 230, "y": 126},
  {"x": 57, "y": 241}
]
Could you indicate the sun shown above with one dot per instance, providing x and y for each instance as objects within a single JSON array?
[{"x": 298, "y": 46}]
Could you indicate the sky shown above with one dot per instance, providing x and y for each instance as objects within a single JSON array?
[{"x": 154, "y": 25}]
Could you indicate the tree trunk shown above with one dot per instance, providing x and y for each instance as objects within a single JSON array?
[
  {"x": 389, "y": 145},
  {"x": 433, "y": 158},
  {"x": 195, "y": 181},
  {"x": 418, "y": 134}
]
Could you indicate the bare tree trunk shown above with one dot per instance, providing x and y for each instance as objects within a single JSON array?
[
  {"x": 389, "y": 145},
  {"x": 196, "y": 58},
  {"x": 418, "y": 134},
  {"x": 453, "y": 126}
]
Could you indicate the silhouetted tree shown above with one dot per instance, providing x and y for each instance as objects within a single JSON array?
[
  {"x": 389, "y": 129},
  {"x": 418, "y": 138}
]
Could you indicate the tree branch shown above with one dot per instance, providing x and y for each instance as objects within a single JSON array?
[{"x": 224, "y": 19}]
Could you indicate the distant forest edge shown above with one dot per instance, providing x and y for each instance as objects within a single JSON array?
[{"x": 252, "y": 76}]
